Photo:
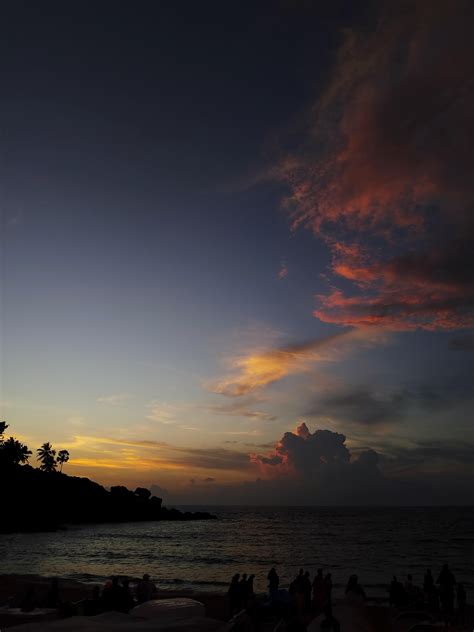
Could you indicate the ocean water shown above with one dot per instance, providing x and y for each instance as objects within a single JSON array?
[{"x": 375, "y": 543}]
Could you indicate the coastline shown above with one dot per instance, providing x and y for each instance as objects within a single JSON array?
[
  {"x": 216, "y": 603},
  {"x": 373, "y": 616}
]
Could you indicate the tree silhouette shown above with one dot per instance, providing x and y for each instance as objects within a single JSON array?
[
  {"x": 3, "y": 427},
  {"x": 46, "y": 456},
  {"x": 62, "y": 458},
  {"x": 14, "y": 452}
]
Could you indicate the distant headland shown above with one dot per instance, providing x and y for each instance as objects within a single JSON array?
[{"x": 44, "y": 498}]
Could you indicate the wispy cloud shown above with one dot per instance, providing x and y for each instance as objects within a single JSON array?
[
  {"x": 162, "y": 412},
  {"x": 283, "y": 271},
  {"x": 383, "y": 173},
  {"x": 119, "y": 453},
  {"x": 262, "y": 367},
  {"x": 114, "y": 400},
  {"x": 240, "y": 409}
]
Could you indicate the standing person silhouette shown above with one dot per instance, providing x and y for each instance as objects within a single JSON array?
[
  {"x": 446, "y": 583},
  {"x": 273, "y": 582},
  {"x": 234, "y": 595}
]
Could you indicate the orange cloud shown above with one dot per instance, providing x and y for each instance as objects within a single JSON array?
[{"x": 260, "y": 368}]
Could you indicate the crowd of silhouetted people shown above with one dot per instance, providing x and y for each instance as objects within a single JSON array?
[
  {"x": 116, "y": 595},
  {"x": 438, "y": 596},
  {"x": 240, "y": 592},
  {"x": 307, "y": 597}
]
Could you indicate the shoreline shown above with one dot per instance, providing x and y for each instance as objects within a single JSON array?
[{"x": 378, "y": 615}]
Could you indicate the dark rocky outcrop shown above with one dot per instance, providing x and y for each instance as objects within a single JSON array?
[{"x": 33, "y": 500}]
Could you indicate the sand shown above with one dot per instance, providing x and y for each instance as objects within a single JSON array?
[{"x": 376, "y": 618}]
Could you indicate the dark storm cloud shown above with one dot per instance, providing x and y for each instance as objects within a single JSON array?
[
  {"x": 427, "y": 452},
  {"x": 360, "y": 406},
  {"x": 212, "y": 458},
  {"x": 462, "y": 343},
  {"x": 364, "y": 405}
]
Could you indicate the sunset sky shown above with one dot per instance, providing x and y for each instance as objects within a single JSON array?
[{"x": 228, "y": 226}]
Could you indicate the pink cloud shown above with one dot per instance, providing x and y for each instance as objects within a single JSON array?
[
  {"x": 384, "y": 174},
  {"x": 283, "y": 271}
]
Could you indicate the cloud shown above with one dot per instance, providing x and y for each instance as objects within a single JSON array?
[
  {"x": 318, "y": 468},
  {"x": 212, "y": 458},
  {"x": 240, "y": 409},
  {"x": 283, "y": 271},
  {"x": 114, "y": 400},
  {"x": 304, "y": 453},
  {"x": 384, "y": 172},
  {"x": 462, "y": 343},
  {"x": 262, "y": 367},
  {"x": 162, "y": 413},
  {"x": 359, "y": 404},
  {"x": 110, "y": 452},
  {"x": 303, "y": 467}
]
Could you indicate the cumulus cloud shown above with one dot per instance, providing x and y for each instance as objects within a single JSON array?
[
  {"x": 384, "y": 173},
  {"x": 304, "y": 453},
  {"x": 318, "y": 468},
  {"x": 261, "y": 367}
]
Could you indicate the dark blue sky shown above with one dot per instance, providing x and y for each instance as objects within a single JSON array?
[{"x": 165, "y": 170}]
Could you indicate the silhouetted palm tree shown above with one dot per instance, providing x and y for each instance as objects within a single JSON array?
[
  {"x": 46, "y": 456},
  {"x": 14, "y": 452},
  {"x": 62, "y": 458},
  {"x": 3, "y": 427}
]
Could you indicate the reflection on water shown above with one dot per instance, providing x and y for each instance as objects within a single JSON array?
[{"x": 375, "y": 543}]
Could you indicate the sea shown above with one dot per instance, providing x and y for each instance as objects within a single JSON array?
[{"x": 374, "y": 543}]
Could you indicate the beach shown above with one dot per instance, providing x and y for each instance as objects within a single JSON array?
[{"x": 373, "y": 617}]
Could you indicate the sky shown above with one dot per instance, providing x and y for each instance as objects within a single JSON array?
[{"x": 237, "y": 246}]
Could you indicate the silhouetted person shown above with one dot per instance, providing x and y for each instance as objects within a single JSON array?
[
  {"x": 234, "y": 594},
  {"x": 113, "y": 596},
  {"x": 410, "y": 590},
  {"x": 397, "y": 596},
  {"x": 273, "y": 582},
  {"x": 428, "y": 582},
  {"x": 243, "y": 590},
  {"x": 328, "y": 591},
  {"x": 129, "y": 601},
  {"x": 146, "y": 589},
  {"x": 446, "y": 583},
  {"x": 461, "y": 599},
  {"x": 319, "y": 591},
  {"x": 53, "y": 599},
  {"x": 250, "y": 588},
  {"x": 306, "y": 586},
  {"x": 354, "y": 590},
  {"x": 93, "y": 605}
]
